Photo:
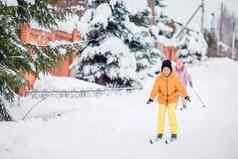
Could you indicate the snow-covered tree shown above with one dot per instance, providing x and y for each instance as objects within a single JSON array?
[
  {"x": 142, "y": 43},
  {"x": 105, "y": 59},
  {"x": 141, "y": 18},
  {"x": 109, "y": 64},
  {"x": 111, "y": 20},
  {"x": 109, "y": 17},
  {"x": 138, "y": 37},
  {"x": 192, "y": 47},
  {"x": 15, "y": 59}
]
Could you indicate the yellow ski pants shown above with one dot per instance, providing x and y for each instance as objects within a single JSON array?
[{"x": 172, "y": 118}]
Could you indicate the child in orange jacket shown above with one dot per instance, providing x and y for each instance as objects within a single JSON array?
[{"x": 166, "y": 90}]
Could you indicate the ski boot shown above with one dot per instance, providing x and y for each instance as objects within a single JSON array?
[{"x": 157, "y": 140}]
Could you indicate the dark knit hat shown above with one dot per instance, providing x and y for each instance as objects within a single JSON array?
[{"x": 167, "y": 63}]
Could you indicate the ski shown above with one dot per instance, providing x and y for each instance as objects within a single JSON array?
[
  {"x": 168, "y": 141},
  {"x": 154, "y": 141}
]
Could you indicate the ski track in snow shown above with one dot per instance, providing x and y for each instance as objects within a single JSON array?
[{"x": 119, "y": 127}]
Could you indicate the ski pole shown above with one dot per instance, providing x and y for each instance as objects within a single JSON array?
[{"x": 199, "y": 97}]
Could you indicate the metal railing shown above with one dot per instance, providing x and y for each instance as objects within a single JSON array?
[{"x": 80, "y": 93}]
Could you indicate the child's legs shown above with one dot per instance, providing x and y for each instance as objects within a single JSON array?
[
  {"x": 172, "y": 118},
  {"x": 161, "y": 118}
]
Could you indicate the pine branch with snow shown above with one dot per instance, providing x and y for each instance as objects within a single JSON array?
[
  {"x": 15, "y": 57},
  {"x": 108, "y": 64}
]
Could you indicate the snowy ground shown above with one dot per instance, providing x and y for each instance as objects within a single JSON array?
[{"x": 118, "y": 127}]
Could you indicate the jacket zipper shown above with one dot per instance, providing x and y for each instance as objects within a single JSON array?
[{"x": 167, "y": 93}]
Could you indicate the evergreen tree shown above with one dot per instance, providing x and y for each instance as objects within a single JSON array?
[
  {"x": 134, "y": 30},
  {"x": 15, "y": 59},
  {"x": 110, "y": 19},
  {"x": 141, "y": 18},
  {"x": 107, "y": 60},
  {"x": 192, "y": 46}
]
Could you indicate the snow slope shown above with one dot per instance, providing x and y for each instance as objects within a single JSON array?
[{"x": 118, "y": 127}]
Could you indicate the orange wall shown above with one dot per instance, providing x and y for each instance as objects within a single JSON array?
[
  {"x": 170, "y": 52},
  {"x": 42, "y": 38}
]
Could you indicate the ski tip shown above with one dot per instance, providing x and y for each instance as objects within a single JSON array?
[{"x": 151, "y": 142}]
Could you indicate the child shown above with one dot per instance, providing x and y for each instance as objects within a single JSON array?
[
  {"x": 166, "y": 90},
  {"x": 184, "y": 77}
]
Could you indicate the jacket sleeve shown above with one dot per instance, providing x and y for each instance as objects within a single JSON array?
[
  {"x": 155, "y": 89},
  {"x": 181, "y": 89}
]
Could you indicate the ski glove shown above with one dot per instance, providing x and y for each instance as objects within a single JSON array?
[
  {"x": 191, "y": 84},
  {"x": 187, "y": 98},
  {"x": 149, "y": 101}
]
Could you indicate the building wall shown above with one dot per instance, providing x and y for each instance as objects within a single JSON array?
[{"x": 42, "y": 38}]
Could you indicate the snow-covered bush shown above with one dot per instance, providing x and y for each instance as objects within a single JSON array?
[
  {"x": 192, "y": 47},
  {"x": 108, "y": 64}
]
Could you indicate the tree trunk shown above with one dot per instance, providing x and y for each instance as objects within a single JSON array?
[{"x": 4, "y": 115}]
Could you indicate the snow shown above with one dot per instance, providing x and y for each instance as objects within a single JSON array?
[
  {"x": 84, "y": 22},
  {"x": 118, "y": 126},
  {"x": 102, "y": 14},
  {"x": 14, "y": 2},
  {"x": 10, "y": 2},
  {"x": 36, "y": 25},
  {"x": 163, "y": 27},
  {"x": 70, "y": 23},
  {"x": 52, "y": 83},
  {"x": 135, "y": 6},
  {"x": 116, "y": 46},
  {"x": 113, "y": 49},
  {"x": 92, "y": 17},
  {"x": 196, "y": 43},
  {"x": 54, "y": 44},
  {"x": 134, "y": 28},
  {"x": 166, "y": 42}
]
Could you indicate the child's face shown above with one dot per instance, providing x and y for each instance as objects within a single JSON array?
[
  {"x": 166, "y": 71},
  {"x": 179, "y": 65}
]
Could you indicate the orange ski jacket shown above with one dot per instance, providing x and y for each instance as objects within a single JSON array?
[{"x": 166, "y": 90}]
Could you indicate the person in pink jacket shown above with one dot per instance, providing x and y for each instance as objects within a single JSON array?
[{"x": 184, "y": 77}]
